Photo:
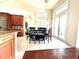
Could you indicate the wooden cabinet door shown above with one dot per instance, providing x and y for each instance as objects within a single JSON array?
[
  {"x": 5, "y": 50},
  {"x": 17, "y": 19},
  {"x": 5, "y": 20},
  {"x": 9, "y": 26},
  {"x": 17, "y": 24}
]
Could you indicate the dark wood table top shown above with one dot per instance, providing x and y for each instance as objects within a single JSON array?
[{"x": 63, "y": 53}]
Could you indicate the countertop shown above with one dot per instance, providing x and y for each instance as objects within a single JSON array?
[
  {"x": 5, "y": 36},
  {"x": 4, "y": 33}
]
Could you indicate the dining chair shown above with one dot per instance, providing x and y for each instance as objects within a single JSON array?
[
  {"x": 49, "y": 35},
  {"x": 41, "y": 36},
  {"x": 32, "y": 35},
  {"x": 32, "y": 28}
]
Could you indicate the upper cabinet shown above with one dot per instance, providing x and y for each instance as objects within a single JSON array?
[
  {"x": 17, "y": 24},
  {"x": 16, "y": 20},
  {"x": 12, "y": 22},
  {"x": 4, "y": 17}
]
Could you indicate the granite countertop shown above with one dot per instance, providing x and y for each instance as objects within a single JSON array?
[
  {"x": 5, "y": 36},
  {"x": 4, "y": 32}
]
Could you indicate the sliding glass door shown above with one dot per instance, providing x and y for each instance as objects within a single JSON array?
[
  {"x": 60, "y": 22},
  {"x": 56, "y": 26},
  {"x": 62, "y": 25}
]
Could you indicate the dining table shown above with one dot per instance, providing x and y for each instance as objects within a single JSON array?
[{"x": 37, "y": 35}]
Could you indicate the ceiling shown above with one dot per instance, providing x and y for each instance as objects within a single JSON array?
[
  {"x": 41, "y": 3},
  {"x": 35, "y": 3}
]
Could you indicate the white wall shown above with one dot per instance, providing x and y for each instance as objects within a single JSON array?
[
  {"x": 77, "y": 41},
  {"x": 72, "y": 22}
]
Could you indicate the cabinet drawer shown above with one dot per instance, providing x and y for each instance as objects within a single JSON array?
[
  {"x": 5, "y": 50},
  {"x": 6, "y": 38}
]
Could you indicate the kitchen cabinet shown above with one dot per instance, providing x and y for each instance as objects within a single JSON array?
[
  {"x": 4, "y": 18},
  {"x": 12, "y": 22},
  {"x": 17, "y": 20},
  {"x": 6, "y": 45},
  {"x": 5, "y": 50},
  {"x": 17, "y": 24}
]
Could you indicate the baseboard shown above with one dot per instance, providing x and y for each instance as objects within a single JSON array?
[{"x": 63, "y": 41}]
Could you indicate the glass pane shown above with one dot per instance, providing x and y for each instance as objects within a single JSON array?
[
  {"x": 63, "y": 19},
  {"x": 41, "y": 19},
  {"x": 56, "y": 26}
]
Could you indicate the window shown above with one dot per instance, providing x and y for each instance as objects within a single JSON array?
[
  {"x": 61, "y": 15},
  {"x": 62, "y": 25},
  {"x": 41, "y": 19}
]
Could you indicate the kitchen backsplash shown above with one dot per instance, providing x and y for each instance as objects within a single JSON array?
[{"x": 16, "y": 27}]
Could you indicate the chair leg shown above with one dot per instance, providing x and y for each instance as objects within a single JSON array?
[
  {"x": 44, "y": 41},
  {"x": 27, "y": 37},
  {"x": 29, "y": 41},
  {"x": 48, "y": 38},
  {"x": 34, "y": 41},
  {"x": 39, "y": 41}
]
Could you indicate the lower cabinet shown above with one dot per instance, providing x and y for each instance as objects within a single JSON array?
[{"x": 6, "y": 50}]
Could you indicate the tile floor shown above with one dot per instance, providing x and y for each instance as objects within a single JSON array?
[{"x": 24, "y": 45}]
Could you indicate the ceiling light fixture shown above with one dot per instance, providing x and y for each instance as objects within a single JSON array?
[{"x": 45, "y": 1}]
